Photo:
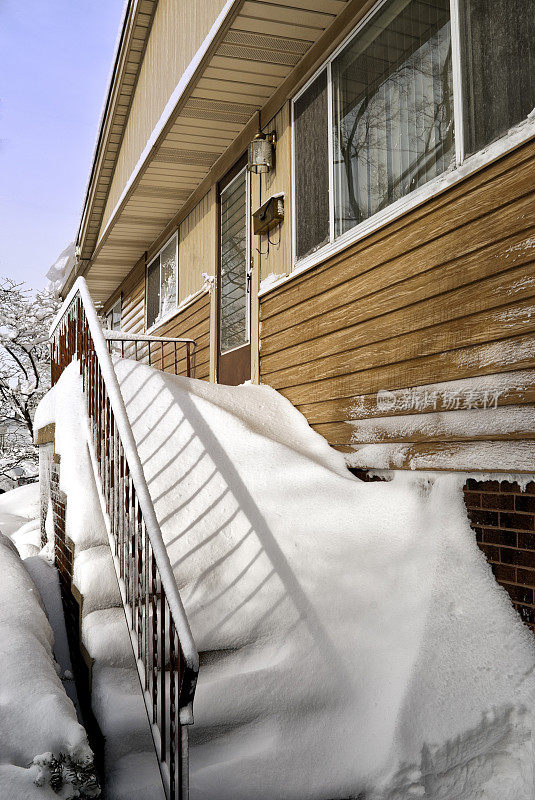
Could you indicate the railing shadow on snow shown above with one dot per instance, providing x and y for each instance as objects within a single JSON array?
[{"x": 220, "y": 507}]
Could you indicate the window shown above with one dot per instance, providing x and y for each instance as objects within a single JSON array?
[
  {"x": 162, "y": 283},
  {"x": 379, "y": 119},
  {"x": 498, "y": 49},
  {"x": 113, "y": 317}
]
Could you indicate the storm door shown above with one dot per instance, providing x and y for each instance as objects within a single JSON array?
[{"x": 234, "y": 283}]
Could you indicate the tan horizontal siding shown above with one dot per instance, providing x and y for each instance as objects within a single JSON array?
[
  {"x": 442, "y": 294},
  {"x": 193, "y": 323}
]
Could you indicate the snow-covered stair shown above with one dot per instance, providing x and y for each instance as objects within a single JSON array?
[{"x": 39, "y": 728}]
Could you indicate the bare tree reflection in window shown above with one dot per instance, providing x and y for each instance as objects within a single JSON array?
[{"x": 393, "y": 109}]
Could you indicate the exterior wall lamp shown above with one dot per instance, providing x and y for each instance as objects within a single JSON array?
[{"x": 261, "y": 152}]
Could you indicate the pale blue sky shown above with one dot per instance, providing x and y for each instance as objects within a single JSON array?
[{"x": 56, "y": 57}]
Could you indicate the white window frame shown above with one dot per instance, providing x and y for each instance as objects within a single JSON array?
[
  {"x": 458, "y": 171},
  {"x": 159, "y": 321}
]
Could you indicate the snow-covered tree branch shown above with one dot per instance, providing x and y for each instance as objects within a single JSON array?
[{"x": 24, "y": 366}]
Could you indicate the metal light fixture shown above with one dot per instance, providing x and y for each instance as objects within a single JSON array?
[{"x": 261, "y": 152}]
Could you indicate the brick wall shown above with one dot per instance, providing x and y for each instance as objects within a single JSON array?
[
  {"x": 503, "y": 518},
  {"x": 63, "y": 547},
  {"x": 72, "y": 604}
]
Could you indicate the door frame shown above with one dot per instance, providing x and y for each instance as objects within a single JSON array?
[{"x": 227, "y": 179}]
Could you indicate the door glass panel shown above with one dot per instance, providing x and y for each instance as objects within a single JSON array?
[
  {"x": 393, "y": 108},
  {"x": 234, "y": 251}
]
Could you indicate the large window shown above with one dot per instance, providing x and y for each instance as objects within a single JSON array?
[
  {"x": 379, "y": 120},
  {"x": 162, "y": 283}
]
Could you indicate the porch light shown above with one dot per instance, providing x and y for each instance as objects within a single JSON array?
[{"x": 261, "y": 152}]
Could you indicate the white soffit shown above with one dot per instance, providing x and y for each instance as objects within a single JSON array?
[{"x": 239, "y": 67}]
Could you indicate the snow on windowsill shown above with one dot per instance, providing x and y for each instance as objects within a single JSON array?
[{"x": 182, "y": 306}]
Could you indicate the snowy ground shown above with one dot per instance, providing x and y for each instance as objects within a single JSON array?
[
  {"x": 39, "y": 731},
  {"x": 353, "y": 640}
]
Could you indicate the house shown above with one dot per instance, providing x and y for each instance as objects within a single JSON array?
[
  {"x": 335, "y": 198},
  {"x": 389, "y": 291}
]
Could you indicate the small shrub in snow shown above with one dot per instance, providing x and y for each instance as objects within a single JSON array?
[{"x": 68, "y": 776}]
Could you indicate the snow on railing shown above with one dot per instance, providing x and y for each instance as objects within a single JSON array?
[
  {"x": 141, "y": 347},
  {"x": 164, "y": 649}
]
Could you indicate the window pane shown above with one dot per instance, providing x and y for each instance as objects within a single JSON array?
[
  {"x": 169, "y": 266},
  {"x": 498, "y": 45},
  {"x": 153, "y": 291},
  {"x": 393, "y": 108},
  {"x": 312, "y": 167},
  {"x": 114, "y": 316},
  {"x": 234, "y": 322}
]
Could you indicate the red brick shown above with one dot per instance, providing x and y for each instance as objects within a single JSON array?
[
  {"x": 495, "y": 536},
  {"x": 519, "y": 558},
  {"x": 519, "y": 594},
  {"x": 504, "y": 572},
  {"x": 525, "y": 576},
  {"x": 525, "y": 522},
  {"x": 493, "y": 553},
  {"x": 525, "y": 502},
  {"x": 526, "y": 541},
  {"x": 527, "y": 614},
  {"x": 472, "y": 499},
  {"x": 488, "y": 486},
  {"x": 484, "y": 518},
  {"x": 498, "y": 501},
  {"x": 507, "y": 486}
]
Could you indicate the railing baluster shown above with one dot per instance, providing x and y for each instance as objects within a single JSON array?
[
  {"x": 156, "y": 644},
  {"x": 163, "y": 720}
]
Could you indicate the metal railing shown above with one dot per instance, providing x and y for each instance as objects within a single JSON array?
[
  {"x": 161, "y": 352},
  {"x": 164, "y": 650}
]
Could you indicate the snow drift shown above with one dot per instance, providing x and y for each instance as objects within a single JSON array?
[
  {"x": 41, "y": 743},
  {"x": 353, "y": 640}
]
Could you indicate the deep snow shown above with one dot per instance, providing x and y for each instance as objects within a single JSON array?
[
  {"x": 37, "y": 720},
  {"x": 352, "y": 637}
]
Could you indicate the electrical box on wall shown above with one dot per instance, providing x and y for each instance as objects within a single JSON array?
[{"x": 269, "y": 214}]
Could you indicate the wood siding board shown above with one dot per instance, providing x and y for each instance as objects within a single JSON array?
[
  {"x": 340, "y": 433},
  {"x": 512, "y": 353},
  {"x": 484, "y": 327},
  {"x": 513, "y": 388},
  {"x": 422, "y": 319},
  {"x": 312, "y": 18},
  {"x": 367, "y": 295},
  {"x": 498, "y": 456}
]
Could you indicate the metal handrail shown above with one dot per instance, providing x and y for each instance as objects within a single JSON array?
[
  {"x": 165, "y": 653},
  {"x": 163, "y": 360}
]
